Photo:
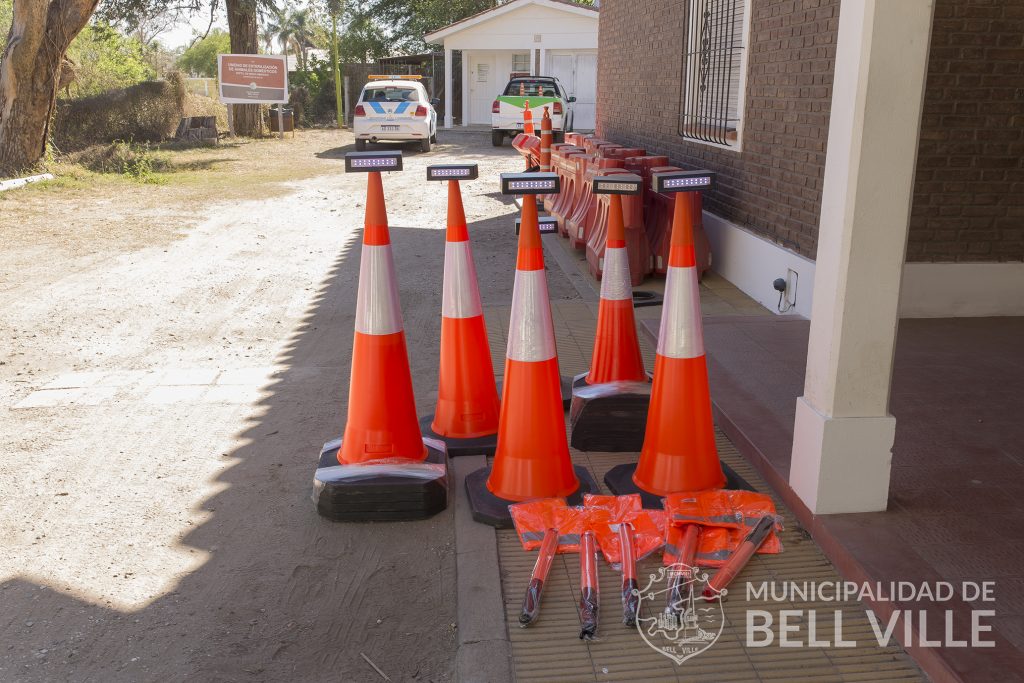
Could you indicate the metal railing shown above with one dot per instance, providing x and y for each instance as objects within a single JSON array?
[{"x": 710, "y": 101}]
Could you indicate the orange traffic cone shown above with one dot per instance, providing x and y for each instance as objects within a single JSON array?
[
  {"x": 679, "y": 452},
  {"x": 532, "y": 458},
  {"x": 382, "y": 419},
  {"x": 616, "y": 346},
  {"x": 547, "y": 138},
  {"x": 466, "y": 414},
  {"x": 609, "y": 403},
  {"x": 528, "y": 119},
  {"x": 382, "y": 468}
]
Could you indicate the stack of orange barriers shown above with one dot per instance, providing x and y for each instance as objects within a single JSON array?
[{"x": 583, "y": 216}]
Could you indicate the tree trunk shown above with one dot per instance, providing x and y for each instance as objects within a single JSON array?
[
  {"x": 29, "y": 74},
  {"x": 244, "y": 29},
  {"x": 340, "y": 113}
]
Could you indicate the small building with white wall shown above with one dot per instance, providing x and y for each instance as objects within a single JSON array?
[{"x": 533, "y": 37}]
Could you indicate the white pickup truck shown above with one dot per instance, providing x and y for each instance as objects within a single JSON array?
[{"x": 540, "y": 91}]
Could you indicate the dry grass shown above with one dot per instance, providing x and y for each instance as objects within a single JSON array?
[{"x": 123, "y": 209}]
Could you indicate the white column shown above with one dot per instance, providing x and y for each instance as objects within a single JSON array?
[
  {"x": 448, "y": 88},
  {"x": 543, "y": 62},
  {"x": 533, "y": 62},
  {"x": 466, "y": 94},
  {"x": 843, "y": 433}
]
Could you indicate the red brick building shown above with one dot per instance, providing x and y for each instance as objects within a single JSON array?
[
  {"x": 870, "y": 152},
  {"x": 968, "y": 198}
]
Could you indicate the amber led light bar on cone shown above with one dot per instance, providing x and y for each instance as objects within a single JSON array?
[
  {"x": 452, "y": 172},
  {"x": 546, "y": 224},
  {"x": 382, "y": 468},
  {"x": 683, "y": 181},
  {"x": 620, "y": 183},
  {"x": 530, "y": 183},
  {"x": 373, "y": 161}
]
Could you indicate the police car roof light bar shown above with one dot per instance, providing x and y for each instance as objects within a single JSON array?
[
  {"x": 373, "y": 161},
  {"x": 452, "y": 172},
  {"x": 530, "y": 183},
  {"x": 618, "y": 183},
  {"x": 395, "y": 77},
  {"x": 683, "y": 181}
]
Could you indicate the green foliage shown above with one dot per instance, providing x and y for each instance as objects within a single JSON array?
[
  {"x": 144, "y": 112},
  {"x": 6, "y": 15},
  {"x": 294, "y": 30},
  {"x": 201, "y": 57},
  {"x": 106, "y": 59},
  {"x": 138, "y": 162},
  {"x": 412, "y": 19},
  {"x": 312, "y": 95}
]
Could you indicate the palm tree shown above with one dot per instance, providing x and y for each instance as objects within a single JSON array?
[{"x": 293, "y": 30}]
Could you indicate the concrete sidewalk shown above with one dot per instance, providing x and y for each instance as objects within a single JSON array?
[{"x": 551, "y": 651}]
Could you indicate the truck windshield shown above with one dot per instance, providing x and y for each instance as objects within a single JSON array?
[
  {"x": 525, "y": 87},
  {"x": 389, "y": 94}
]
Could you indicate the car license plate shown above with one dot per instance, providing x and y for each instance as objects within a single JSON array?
[
  {"x": 519, "y": 124},
  {"x": 389, "y": 129}
]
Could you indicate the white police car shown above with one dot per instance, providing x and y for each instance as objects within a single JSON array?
[{"x": 395, "y": 108}]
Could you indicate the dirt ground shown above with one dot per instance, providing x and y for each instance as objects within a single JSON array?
[{"x": 171, "y": 358}]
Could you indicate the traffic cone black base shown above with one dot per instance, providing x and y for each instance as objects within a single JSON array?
[
  {"x": 491, "y": 510},
  {"x": 361, "y": 493},
  {"x": 619, "y": 481},
  {"x": 483, "y": 445},
  {"x": 609, "y": 417}
]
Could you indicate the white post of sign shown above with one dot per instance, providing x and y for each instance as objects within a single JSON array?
[
  {"x": 231, "y": 121},
  {"x": 280, "y": 120}
]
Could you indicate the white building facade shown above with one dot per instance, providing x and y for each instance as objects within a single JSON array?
[{"x": 532, "y": 37}]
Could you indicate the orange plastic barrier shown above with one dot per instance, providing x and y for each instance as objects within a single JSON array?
[
  {"x": 637, "y": 247},
  {"x": 584, "y": 217},
  {"x": 529, "y": 147},
  {"x": 562, "y": 165},
  {"x": 574, "y": 197}
]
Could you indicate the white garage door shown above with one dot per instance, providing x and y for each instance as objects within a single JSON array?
[{"x": 578, "y": 73}]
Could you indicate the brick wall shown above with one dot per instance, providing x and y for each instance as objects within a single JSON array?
[
  {"x": 773, "y": 186},
  {"x": 969, "y": 191}
]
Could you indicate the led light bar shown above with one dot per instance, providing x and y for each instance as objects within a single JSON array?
[
  {"x": 373, "y": 161},
  {"x": 619, "y": 183},
  {"x": 530, "y": 183},
  {"x": 452, "y": 172},
  {"x": 546, "y": 224},
  {"x": 683, "y": 181}
]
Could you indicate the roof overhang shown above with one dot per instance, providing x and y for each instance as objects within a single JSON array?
[{"x": 495, "y": 12}]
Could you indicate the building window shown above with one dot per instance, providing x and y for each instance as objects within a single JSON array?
[
  {"x": 521, "y": 63},
  {"x": 714, "y": 66}
]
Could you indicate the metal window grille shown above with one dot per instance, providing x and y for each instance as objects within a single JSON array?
[
  {"x": 521, "y": 62},
  {"x": 710, "y": 100}
]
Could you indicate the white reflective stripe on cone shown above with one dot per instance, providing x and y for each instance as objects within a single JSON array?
[
  {"x": 460, "y": 297},
  {"x": 682, "y": 333},
  {"x": 531, "y": 336},
  {"x": 377, "y": 308},
  {"x": 615, "y": 283}
]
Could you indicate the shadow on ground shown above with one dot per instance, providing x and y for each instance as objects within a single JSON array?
[{"x": 339, "y": 591}]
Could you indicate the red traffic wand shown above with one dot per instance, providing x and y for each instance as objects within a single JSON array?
[{"x": 739, "y": 558}]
